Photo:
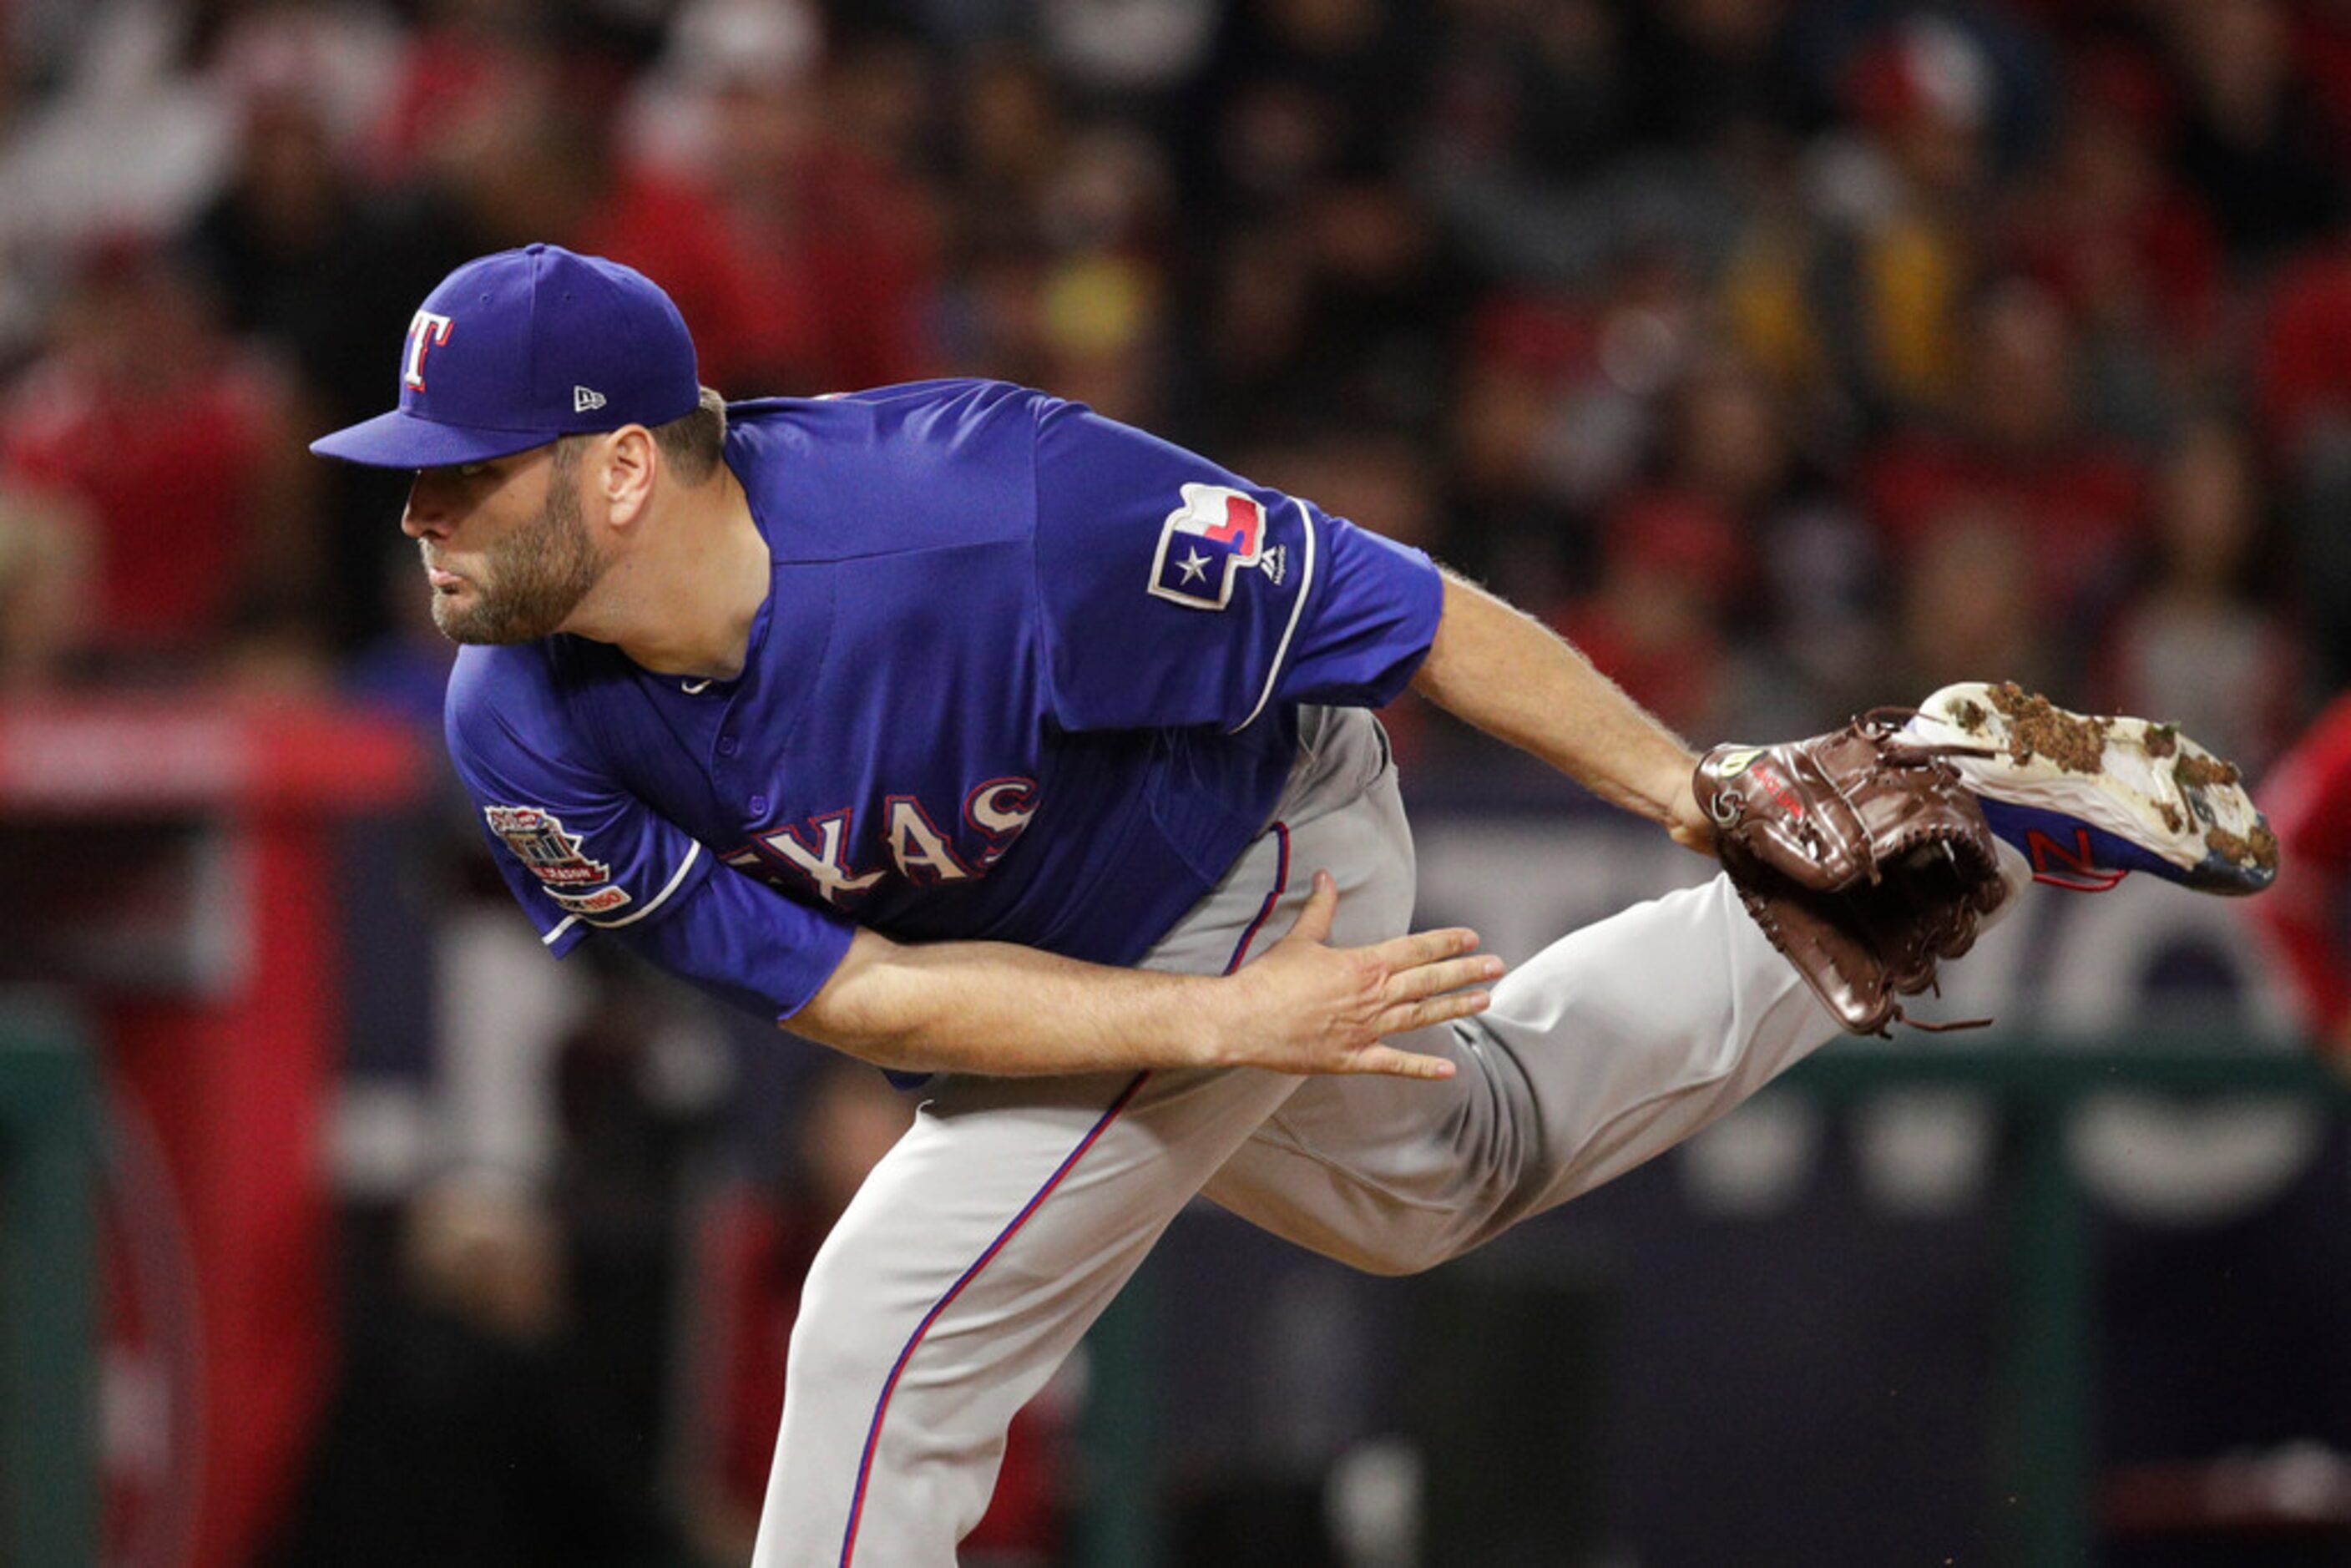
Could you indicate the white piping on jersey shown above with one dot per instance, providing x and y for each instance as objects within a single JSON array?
[
  {"x": 694, "y": 852},
  {"x": 1281, "y": 649}
]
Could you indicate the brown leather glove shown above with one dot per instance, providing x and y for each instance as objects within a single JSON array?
[{"x": 1861, "y": 857}]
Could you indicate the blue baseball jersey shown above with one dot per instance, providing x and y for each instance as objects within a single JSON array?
[{"x": 1023, "y": 674}]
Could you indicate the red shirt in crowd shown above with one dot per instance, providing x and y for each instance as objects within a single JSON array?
[
  {"x": 2308, "y": 910},
  {"x": 171, "y": 467},
  {"x": 2079, "y": 511},
  {"x": 2301, "y": 365},
  {"x": 828, "y": 287}
]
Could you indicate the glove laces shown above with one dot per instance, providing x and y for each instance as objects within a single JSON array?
[{"x": 1884, "y": 724}]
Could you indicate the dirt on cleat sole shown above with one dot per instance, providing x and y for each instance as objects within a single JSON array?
[{"x": 2154, "y": 798}]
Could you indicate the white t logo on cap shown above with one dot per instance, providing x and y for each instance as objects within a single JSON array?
[{"x": 426, "y": 329}]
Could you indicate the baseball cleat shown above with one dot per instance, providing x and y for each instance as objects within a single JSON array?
[{"x": 2089, "y": 800}]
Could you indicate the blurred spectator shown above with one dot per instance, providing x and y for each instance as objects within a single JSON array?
[
  {"x": 125, "y": 138},
  {"x": 1524, "y": 104},
  {"x": 2322, "y": 43},
  {"x": 1345, "y": 308},
  {"x": 2127, "y": 252},
  {"x": 1797, "y": 577},
  {"x": 2303, "y": 378},
  {"x": 1869, "y": 284},
  {"x": 2303, "y": 356},
  {"x": 1331, "y": 290},
  {"x": 1658, "y": 620},
  {"x": 1645, "y": 327},
  {"x": 2308, "y": 912},
  {"x": 637, "y": 1082},
  {"x": 802, "y": 259},
  {"x": 343, "y": 59},
  {"x": 1295, "y": 92},
  {"x": 456, "y": 1435},
  {"x": 286, "y": 213},
  {"x": 1512, "y": 526},
  {"x": 302, "y": 86},
  {"x": 45, "y": 576},
  {"x": 1708, "y": 70},
  {"x": 1103, "y": 296},
  {"x": 2194, "y": 644},
  {"x": 461, "y": 57},
  {"x": 2016, "y": 455},
  {"x": 177, "y": 439},
  {"x": 1971, "y": 602},
  {"x": 754, "y": 1252},
  {"x": 1559, "y": 136},
  {"x": 2254, "y": 140},
  {"x": 1105, "y": 47}
]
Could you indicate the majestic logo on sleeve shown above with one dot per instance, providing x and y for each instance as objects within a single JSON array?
[
  {"x": 537, "y": 840},
  {"x": 426, "y": 331},
  {"x": 1217, "y": 532}
]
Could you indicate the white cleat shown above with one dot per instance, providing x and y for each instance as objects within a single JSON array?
[{"x": 2089, "y": 801}]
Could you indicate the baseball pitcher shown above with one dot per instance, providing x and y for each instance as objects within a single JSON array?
[{"x": 1027, "y": 756}]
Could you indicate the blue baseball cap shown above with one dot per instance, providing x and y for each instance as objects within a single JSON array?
[{"x": 515, "y": 350}]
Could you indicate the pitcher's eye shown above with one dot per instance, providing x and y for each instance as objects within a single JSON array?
[{"x": 469, "y": 470}]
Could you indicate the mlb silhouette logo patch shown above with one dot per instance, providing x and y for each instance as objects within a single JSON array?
[
  {"x": 1213, "y": 534},
  {"x": 538, "y": 841}
]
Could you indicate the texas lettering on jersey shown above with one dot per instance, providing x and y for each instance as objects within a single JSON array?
[{"x": 822, "y": 852}]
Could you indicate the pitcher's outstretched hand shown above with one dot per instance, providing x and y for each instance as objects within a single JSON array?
[{"x": 1304, "y": 1005}]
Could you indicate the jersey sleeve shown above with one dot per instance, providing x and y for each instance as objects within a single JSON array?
[
  {"x": 582, "y": 854},
  {"x": 1172, "y": 592}
]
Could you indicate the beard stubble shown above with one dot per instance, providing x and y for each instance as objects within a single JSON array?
[{"x": 532, "y": 580}]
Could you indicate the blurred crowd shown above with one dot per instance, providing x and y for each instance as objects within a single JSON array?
[{"x": 1791, "y": 355}]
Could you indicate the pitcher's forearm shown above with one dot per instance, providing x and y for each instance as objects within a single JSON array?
[
  {"x": 1299, "y": 1006},
  {"x": 1497, "y": 667},
  {"x": 1010, "y": 1011}
]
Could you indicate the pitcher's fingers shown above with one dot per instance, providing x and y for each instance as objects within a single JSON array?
[
  {"x": 1406, "y": 1017},
  {"x": 1388, "y": 1061},
  {"x": 1313, "y": 922},
  {"x": 1410, "y": 985},
  {"x": 1418, "y": 947}
]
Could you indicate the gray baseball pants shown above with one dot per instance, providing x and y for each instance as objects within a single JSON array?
[{"x": 983, "y": 1246}]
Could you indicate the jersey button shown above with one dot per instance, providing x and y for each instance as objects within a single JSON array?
[
  {"x": 727, "y": 746},
  {"x": 759, "y": 805}
]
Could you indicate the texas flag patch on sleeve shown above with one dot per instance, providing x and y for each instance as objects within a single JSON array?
[{"x": 1216, "y": 534}]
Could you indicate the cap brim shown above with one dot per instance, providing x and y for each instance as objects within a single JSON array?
[{"x": 402, "y": 440}]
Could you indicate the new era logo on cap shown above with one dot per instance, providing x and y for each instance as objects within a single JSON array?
[{"x": 515, "y": 350}]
